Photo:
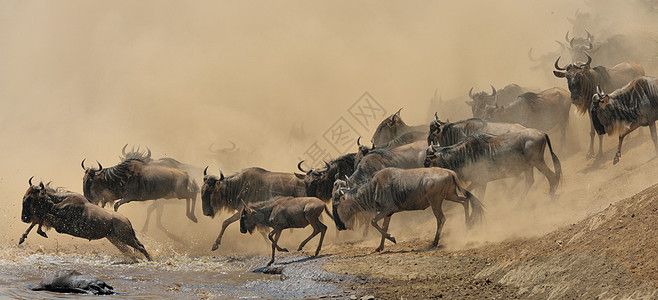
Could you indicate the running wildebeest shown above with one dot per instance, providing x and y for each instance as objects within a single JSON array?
[
  {"x": 544, "y": 111},
  {"x": 392, "y": 127},
  {"x": 447, "y": 134},
  {"x": 393, "y": 190},
  {"x": 626, "y": 109},
  {"x": 251, "y": 185},
  {"x": 283, "y": 213},
  {"x": 483, "y": 157},
  {"x": 71, "y": 281},
  {"x": 408, "y": 156},
  {"x": 583, "y": 80},
  {"x": 481, "y": 100},
  {"x": 71, "y": 213},
  {"x": 136, "y": 180},
  {"x": 319, "y": 182}
]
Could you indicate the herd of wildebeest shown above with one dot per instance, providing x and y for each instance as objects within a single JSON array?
[{"x": 406, "y": 168}]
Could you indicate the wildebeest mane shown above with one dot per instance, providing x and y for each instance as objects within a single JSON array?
[
  {"x": 467, "y": 151},
  {"x": 403, "y": 139},
  {"x": 625, "y": 106},
  {"x": 119, "y": 174},
  {"x": 453, "y": 133}
]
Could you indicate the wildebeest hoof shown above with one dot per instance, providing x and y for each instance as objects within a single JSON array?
[
  {"x": 589, "y": 155},
  {"x": 270, "y": 263},
  {"x": 300, "y": 248},
  {"x": 616, "y": 159},
  {"x": 42, "y": 233},
  {"x": 193, "y": 218},
  {"x": 214, "y": 247},
  {"x": 21, "y": 240},
  {"x": 379, "y": 249},
  {"x": 392, "y": 239},
  {"x": 284, "y": 250}
]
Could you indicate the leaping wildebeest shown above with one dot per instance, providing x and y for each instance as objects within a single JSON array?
[
  {"x": 392, "y": 127},
  {"x": 251, "y": 185},
  {"x": 136, "y": 180},
  {"x": 583, "y": 80},
  {"x": 545, "y": 110},
  {"x": 626, "y": 109},
  {"x": 71, "y": 213},
  {"x": 283, "y": 213},
  {"x": 483, "y": 157},
  {"x": 394, "y": 190},
  {"x": 480, "y": 100}
]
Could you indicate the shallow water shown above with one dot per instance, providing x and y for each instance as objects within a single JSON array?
[{"x": 179, "y": 276}]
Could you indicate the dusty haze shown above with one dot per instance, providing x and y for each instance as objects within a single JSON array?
[{"x": 81, "y": 79}]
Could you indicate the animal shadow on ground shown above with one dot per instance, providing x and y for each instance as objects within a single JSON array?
[
  {"x": 285, "y": 263},
  {"x": 608, "y": 155}
]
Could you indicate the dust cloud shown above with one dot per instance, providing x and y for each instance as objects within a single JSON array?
[{"x": 81, "y": 79}]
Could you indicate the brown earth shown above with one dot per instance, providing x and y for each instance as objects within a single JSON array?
[{"x": 610, "y": 254}]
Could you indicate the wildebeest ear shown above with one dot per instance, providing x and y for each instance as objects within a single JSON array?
[
  {"x": 559, "y": 74},
  {"x": 41, "y": 185},
  {"x": 470, "y": 102},
  {"x": 300, "y": 176}
]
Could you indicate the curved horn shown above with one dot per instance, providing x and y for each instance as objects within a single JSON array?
[
  {"x": 205, "y": 171},
  {"x": 571, "y": 42},
  {"x": 556, "y": 64},
  {"x": 221, "y": 175},
  {"x": 326, "y": 164},
  {"x": 358, "y": 142},
  {"x": 598, "y": 91},
  {"x": 436, "y": 116},
  {"x": 99, "y": 166},
  {"x": 299, "y": 166},
  {"x": 566, "y": 37},
  {"x": 493, "y": 91},
  {"x": 123, "y": 150},
  {"x": 530, "y": 55},
  {"x": 470, "y": 92},
  {"x": 83, "y": 164},
  {"x": 589, "y": 36},
  {"x": 232, "y": 147},
  {"x": 589, "y": 59},
  {"x": 398, "y": 112},
  {"x": 29, "y": 181},
  {"x": 148, "y": 155}
]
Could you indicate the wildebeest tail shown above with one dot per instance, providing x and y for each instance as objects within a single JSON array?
[
  {"x": 556, "y": 161},
  {"x": 477, "y": 208},
  {"x": 326, "y": 210}
]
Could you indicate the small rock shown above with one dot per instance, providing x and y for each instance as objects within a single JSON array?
[{"x": 368, "y": 297}]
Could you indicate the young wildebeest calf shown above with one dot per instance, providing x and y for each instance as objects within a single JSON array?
[
  {"x": 71, "y": 213},
  {"x": 626, "y": 109},
  {"x": 393, "y": 190},
  {"x": 283, "y": 213}
]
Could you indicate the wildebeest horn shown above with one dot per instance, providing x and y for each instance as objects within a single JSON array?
[
  {"x": 493, "y": 91},
  {"x": 29, "y": 181},
  {"x": 589, "y": 59},
  {"x": 398, "y": 112},
  {"x": 205, "y": 171},
  {"x": 347, "y": 180},
  {"x": 299, "y": 166},
  {"x": 589, "y": 36},
  {"x": 470, "y": 92},
  {"x": 326, "y": 165},
  {"x": 148, "y": 155},
  {"x": 598, "y": 91},
  {"x": 83, "y": 164},
  {"x": 436, "y": 116},
  {"x": 243, "y": 203},
  {"x": 221, "y": 175},
  {"x": 358, "y": 142},
  {"x": 566, "y": 37},
  {"x": 41, "y": 185},
  {"x": 123, "y": 150},
  {"x": 99, "y": 166},
  {"x": 556, "y": 64}
]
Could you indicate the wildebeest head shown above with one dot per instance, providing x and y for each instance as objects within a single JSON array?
[
  {"x": 362, "y": 151},
  {"x": 340, "y": 209},
  {"x": 213, "y": 188},
  {"x": 432, "y": 156},
  {"x": 388, "y": 129},
  {"x": 599, "y": 101},
  {"x": 579, "y": 46},
  {"x": 36, "y": 202},
  {"x": 492, "y": 112},
  {"x": 92, "y": 183},
  {"x": 436, "y": 126},
  {"x": 247, "y": 220},
  {"x": 480, "y": 101},
  {"x": 313, "y": 179},
  {"x": 576, "y": 75}
]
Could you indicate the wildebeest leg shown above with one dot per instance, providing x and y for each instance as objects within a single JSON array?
[
  {"x": 440, "y": 218},
  {"x": 364, "y": 216},
  {"x": 529, "y": 180},
  {"x": 159, "y": 205},
  {"x": 387, "y": 220},
  {"x": 274, "y": 238},
  {"x": 26, "y": 232},
  {"x": 464, "y": 202},
  {"x": 149, "y": 211},
  {"x": 385, "y": 235},
  {"x": 654, "y": 137},
  {"x": 550, "y": 175},
  {"x": 121, "y": 246},
  {"x": 590, "y": 152},
  {"x": 41, "y": 232},
  {"x": 190, "y": 203},
  {"x": 318, "y": 227},
  {"x": 227, "y": 222},
  {"x": 621, "y": 140}
]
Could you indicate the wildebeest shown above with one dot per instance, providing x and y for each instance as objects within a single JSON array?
[
  {"x": 483, "y": 157},
  {"x": 626, "y": 109},
  {"x": 481, "y": 100},
  {"x": 405, "y": 157},
  {"x": 136, "y": 180},
  {"x": 583, "y": 80},
  {"x": 446, "y": 133},
  {"x": 393, "y": 190},
  {"x": 544, "y": 111},
  {"x": 319, "y": 182},
  {"x": 72, "y": 281},
  {"x": 401, "y": 140},
  {"x": 283, "y": 213},
  {"x": 250, "y": 185},
  {"x": 71, "y": 213},
  {"x": 392, "y": 127}
]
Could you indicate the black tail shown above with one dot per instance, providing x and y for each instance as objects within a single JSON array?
[
  {"x": 326, "y": 210},
  {"x": 556, "y": 161},
  {"x": 477, "y": 208}
]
